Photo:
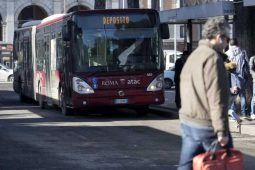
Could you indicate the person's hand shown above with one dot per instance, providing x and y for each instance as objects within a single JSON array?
[
  {"x": 234, "y": 90},
  {"x": 230, "y": 65},
  {"x": 223, "y": 140}
]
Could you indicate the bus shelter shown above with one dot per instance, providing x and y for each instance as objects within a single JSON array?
[{"x": 197, "y": 14}]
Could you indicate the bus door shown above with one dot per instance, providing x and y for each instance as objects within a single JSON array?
[
  {"x": 27, "y": 67},
  {"x": 54, "y": 74},
  {"x": 47, "y": 66},
  {"x": 25, "y": 64}
]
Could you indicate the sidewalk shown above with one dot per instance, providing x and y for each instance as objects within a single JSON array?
[{"x": 247, "y": 127}]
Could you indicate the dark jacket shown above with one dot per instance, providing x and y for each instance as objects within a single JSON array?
[{"x": 178, "y": 68}]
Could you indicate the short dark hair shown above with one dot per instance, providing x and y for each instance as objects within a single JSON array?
[{"x": 233, "y": 41}]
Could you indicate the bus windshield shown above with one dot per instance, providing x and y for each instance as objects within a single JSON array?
[{"x": 106, "y": 50}]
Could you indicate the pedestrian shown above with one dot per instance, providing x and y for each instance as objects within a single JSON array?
[
  {"x": 179, "y": 63},
  {"x": 204, "y": 93},
  {"x": 234, "y": 88},
  {"x": 252, "y": 71},
  {"x": 236, "y": 54}
]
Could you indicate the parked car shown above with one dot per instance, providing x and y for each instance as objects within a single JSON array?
[
  {"x": 170, "y": 58},
  {"x": 169, "y": 78},
  {"x": 6, "y": 73}
]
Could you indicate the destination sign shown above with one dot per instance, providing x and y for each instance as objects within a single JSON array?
[{"x": 115, "y": 20}]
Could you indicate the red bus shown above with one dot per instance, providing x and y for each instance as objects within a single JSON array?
[{"x": 92, "y": 58}]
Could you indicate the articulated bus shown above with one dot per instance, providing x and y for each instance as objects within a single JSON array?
[{"x": 87, "y": 59}]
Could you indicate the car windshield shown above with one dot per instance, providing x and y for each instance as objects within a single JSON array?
[
  {"x": 117, "y": 50},
  {"x": 4, "y": 67}
]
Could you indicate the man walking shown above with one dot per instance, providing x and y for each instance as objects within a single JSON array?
[
  {"x": 204, "y": 94},
  {"x": 235, "y": 54},
  {"x": 179, "y": 63}
]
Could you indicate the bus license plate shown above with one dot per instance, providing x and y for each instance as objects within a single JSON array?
[{"x": 120, "y": 101}]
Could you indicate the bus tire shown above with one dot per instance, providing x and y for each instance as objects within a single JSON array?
[
  {"x": 22, "y": 97},
  {"x": 10, "y": 78},
  {"x": 41, "y": 100},
  {"x": 64, "y": 109}
]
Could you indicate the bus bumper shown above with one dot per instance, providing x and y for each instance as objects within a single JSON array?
[{"x": 88, "y": 101}]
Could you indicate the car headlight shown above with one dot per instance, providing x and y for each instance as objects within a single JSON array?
[
  {"x": 81, "y": 86},
  {"x": 156, "y": 84}
]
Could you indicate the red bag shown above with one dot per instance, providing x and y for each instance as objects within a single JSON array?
[{"x": 223, "y": 159}]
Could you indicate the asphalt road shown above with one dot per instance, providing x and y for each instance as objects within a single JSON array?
[{"x": 32, "y": 138}]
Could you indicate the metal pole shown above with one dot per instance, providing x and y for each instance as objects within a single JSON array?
[
  {"x": 175, "y": 33},
  {"x": 189, "y": 25},
  {"x": 175, "y": 42},
  {"x": 64, "y": 6},
  {"x": 161, "y": 3}
]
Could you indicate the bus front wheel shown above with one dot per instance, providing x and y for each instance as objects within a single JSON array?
[
  {"x": 64, "y": 109},
  {"x": 41, "y": 100},
  {"x": 22, "y": 97}
]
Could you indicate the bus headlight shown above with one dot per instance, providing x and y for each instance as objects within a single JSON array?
[
  {"x": 81, "y": 86},
  {"x": 156, "y": 84}
]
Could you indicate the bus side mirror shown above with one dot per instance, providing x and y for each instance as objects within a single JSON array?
[
  {"x": 66, "y": 33},
  {"x": 164, "y": 29}
]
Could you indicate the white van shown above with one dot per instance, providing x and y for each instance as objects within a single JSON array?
[{"x": 170, "y": 58}]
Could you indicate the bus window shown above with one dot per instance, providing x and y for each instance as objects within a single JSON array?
[
  {"x": 112, "y": 49},
  {"x": 40, "y": 57},
  {"x": 59, "y": 52}
]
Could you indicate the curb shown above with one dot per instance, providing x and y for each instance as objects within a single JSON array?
[
  {"x": 247, "y": 127},
  {"x": 164, "y": 109}
]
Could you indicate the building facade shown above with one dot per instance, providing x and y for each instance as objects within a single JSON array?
[
  {"x": 13, "y": 13},
  {"x": 244, "y": 25}
]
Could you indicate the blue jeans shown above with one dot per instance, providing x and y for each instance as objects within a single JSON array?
[
  {"x": 253, "y": 100},
  {"x": 231, "y": 112},
  {"x": 243, "y": 103},
  {"x": 196, "y": 140}
]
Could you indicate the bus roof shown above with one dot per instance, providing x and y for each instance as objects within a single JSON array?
[
  {"x": 31, "y": 23},
  {"x": 51, "y": 19},
  {"x": 112, "y": 11},
  {"x": 59, "y": 17}
]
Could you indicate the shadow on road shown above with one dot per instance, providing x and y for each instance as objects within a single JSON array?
[
  {"x": 100, "y": 139},
  {"x": 9, "y": 100}
]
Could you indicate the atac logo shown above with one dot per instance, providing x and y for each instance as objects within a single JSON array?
[{"x": 133, "y": 82}]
